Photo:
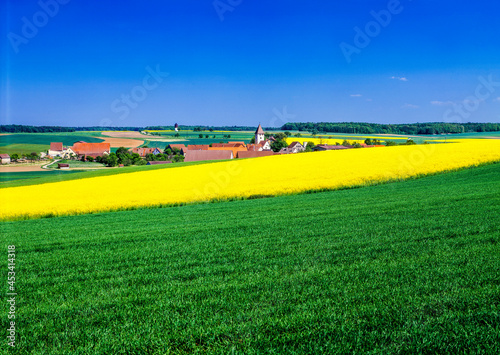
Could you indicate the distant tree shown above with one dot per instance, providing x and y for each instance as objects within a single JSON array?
[
  {"x": 211, "y": 129},
  {"x": 280, "y": 136},
  {"x": 200, "y": 136},
  {"x": 346, "y": 143},
  {"x": 82, "y": 158},
  {"x": 252, "y": 141},
  {"x": 368, "y": 141},
  {"x": 298, "y": 135},
  {"x": 112, "y": 160},
  {"x": 357, "y": 145},
  {"x": 14, "y": 157},
  {"x": 390, "y": 143},
  {"x": 168, "y": 151},
  {"x": 150, "y": 157},
  {"x": 206, "y": 135},
  {"x": 121, "y": 150},
  {"x": 288, "y": 133},
  {"x": 177, "y": 135},
  {"x": 136, "y": 158},
  {"x": 178, "y": 158},
  {"x": 90, "y": 159},
  {"x": 213, "y": 136},
  {"x": 309, "y": 147}
]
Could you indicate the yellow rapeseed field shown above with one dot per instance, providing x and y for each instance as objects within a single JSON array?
[
  {"x": 274, "y": 175},
  {"x": 317, "y": 141}
]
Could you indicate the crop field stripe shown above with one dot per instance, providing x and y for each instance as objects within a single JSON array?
[
  {"x": 409, "y": 267},
  {"x": 244, "y": 178}
]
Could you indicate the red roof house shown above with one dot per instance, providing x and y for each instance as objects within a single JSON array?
[
  {"x": 201, "y": 155},
  {"x": 92, "y": 149}
]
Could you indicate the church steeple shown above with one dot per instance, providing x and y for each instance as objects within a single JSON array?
[{"x": 259, "y": 135}]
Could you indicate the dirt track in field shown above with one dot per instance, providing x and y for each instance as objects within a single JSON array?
[
  {"x": 20, "y": 168},
  {"x": 123, "y": 142},
  {"x": 127, "y": 134}
]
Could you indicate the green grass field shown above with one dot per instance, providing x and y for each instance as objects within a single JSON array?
[{"x": 408, "y": 267}]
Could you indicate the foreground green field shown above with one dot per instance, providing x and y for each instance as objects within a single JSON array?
[{"x": 408, "y": 267}]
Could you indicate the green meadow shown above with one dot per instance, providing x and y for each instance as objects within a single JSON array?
[{"x": 400, "y": 268}]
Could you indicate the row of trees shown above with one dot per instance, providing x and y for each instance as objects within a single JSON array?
[{"x": 406, "y": 129}]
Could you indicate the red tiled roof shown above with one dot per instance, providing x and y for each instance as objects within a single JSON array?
[
  {"x": 58, "y": 147},
  {"x": 200, "y": 155},
  {"x": 4, "y": 156},
  {"x": 143, "y": 151},
  {"x": 91, "y": 149},
  {"x": 178, "y": 146},
  {"x": 256, "y": 154}
]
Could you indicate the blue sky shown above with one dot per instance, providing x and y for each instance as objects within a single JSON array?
[{"x": 232, "y": 62}]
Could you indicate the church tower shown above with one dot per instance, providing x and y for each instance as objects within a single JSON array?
[{"x": 259, "y": 135}]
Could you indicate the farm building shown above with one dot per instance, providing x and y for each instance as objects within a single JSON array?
[
  {"x": 201, "y": 155},
  {"x": 158, "y": 162},
  {"x": 145, "y": 151},
  {"x": 255, "y": 154},
  {"x": 329, "y": 147},
  {"x": 175, "y": 146},
  {"x": 296, "y": 147},
  {"x": 233, "y": 149},
  {"x": 5, "y": 158},
  {"x": 91, "y": 149},
  {"x": 58, "y": 150}
]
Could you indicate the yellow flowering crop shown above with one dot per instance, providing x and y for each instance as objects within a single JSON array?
[
  {"x": 274, "y": 175},
  {"x": 317, "y": 141}
]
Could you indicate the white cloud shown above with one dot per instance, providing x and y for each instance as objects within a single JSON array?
[
  {"x": 410, "y": 106},
  {"x": 399, "y": 78},
  {"x": 497, "y": 99},
  {"x": 356, "y": 95}
]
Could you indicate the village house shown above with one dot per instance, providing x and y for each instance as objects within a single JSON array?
[
  {"x": 93, "y": 150},
  {"x": 296, "y": 147},
  {"x": 58, "y": 150},
  {"x": 201, "y": 155},
  {"x": 145, "y": 151},
  {"x": 323, "y": 147},
  {"x": 5, "y": 158}
]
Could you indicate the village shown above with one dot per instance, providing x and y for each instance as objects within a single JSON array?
[{"x": 262, "y": 144}]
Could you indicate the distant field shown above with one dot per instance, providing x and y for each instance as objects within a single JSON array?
[
  {"x": 21, "y": 148},
  {"x": 45, "y": 139},
  {"x": 402, "y": 268},
  {"x": 34, "y": 176}
]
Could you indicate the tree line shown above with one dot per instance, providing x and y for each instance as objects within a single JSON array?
[{"x": 405, "y": 129}]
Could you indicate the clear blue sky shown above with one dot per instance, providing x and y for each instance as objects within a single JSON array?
[{"x": 84, "y": 63}]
